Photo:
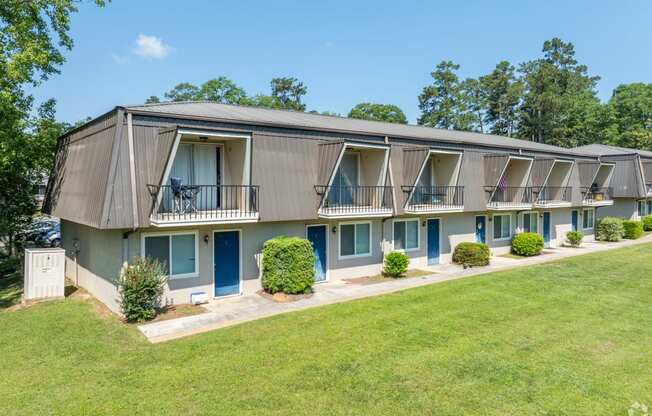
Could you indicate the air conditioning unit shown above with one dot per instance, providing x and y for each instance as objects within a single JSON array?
[{"x": 44, "y": 273}]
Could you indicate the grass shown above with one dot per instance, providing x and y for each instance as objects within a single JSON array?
[
  {"x": 569, "y": 337},
  {"x": 11, "y": 290}
]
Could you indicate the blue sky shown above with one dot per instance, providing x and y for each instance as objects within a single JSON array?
[{"x": 346, "y": 52}]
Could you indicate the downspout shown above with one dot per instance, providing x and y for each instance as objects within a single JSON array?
[{"x": 132, "y": 170}]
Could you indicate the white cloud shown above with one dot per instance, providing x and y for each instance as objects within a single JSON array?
[
  {"x": 151, "y": 47},
  {"x": 119, "y": 59}
]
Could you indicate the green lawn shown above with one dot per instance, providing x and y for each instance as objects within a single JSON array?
[{"x": 572, "y": 337}]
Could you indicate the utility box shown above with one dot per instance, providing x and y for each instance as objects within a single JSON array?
[{"x": 44, "y": 273}]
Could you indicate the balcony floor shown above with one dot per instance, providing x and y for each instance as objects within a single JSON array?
[
  {"x": 553, "y": 204},
  {"x": 355, "y": 212},
  {"x": 508, "y": 206},
  {"x": 200, "y": 217},
  {"x": 429, "y": 209},
  {"x": 603, "y": 203}
]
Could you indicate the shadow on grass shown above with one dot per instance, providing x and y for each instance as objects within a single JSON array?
[{"x": 11, "y": 290}]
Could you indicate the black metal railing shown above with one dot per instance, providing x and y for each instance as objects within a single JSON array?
[
  {"x": 425, "y": 198},
  {"x": 552, "y": 194},
  {"x": 500, "y": 196},
  {"x": 340, "y": 200},
  {"x": 593, "y": 195},
  {"x": 203, "y": 202}
]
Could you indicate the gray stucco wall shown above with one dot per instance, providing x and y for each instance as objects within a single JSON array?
[{"x": 623, "y": 207}]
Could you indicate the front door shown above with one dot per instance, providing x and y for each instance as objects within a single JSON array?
[
  {"x": 317, "y": 237},
  {"x": 574, "y": 220},
  {"x": 433, "y": 241},
  {"x": 480, "y": 229},
  {"x": 546, "y": 229},
  {"x": 226, "y": 262}
]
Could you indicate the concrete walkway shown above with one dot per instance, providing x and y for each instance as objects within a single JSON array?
[{"x": 232, "y": 311}]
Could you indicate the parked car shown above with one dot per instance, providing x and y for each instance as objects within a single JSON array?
[
  {"x": 36, "y": 230},
  {"x": 52, "y": 238}
]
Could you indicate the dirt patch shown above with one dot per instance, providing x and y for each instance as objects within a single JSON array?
[
  {"x": 283, "y": 297},
  {"x": 381, "y": 278},
  {"x": 604, "y": 348}
]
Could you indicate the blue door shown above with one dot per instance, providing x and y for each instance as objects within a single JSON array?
[
  {"x": 317, "y": 237},
  {"x": 226, "y": 259},
  {"x": 574, "y": 220},
  {"x": 480, "y": 229},
  {"x": 546, "y": 229},
  {"x": 433, "y": 242}
]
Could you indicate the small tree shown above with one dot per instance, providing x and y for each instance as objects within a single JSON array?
[
  {"x": 396, "y": 263},
  {"x": 141, "y": 287}
]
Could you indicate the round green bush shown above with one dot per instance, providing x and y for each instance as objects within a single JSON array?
[
  {"x": 609, "y": 229},
  {"x": 647, "y": 223},
  {"x": 574, "y": 238},
  {"x": 471, "y": 254},
  {"x": 141, "y": 286},
  {"x": 288, "y": 265},
  {"x": 632, "y": 229},
  {"x": 527, "y": 244},
  {"x": 396, "y": 263}
]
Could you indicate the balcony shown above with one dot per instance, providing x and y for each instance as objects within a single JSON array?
[
  {"x": 509, "y": 198},
  {"x": 355, "y": 201},
  {"x": 433, "y": 199},
  {"x": 552, "y": 196},
  {"x": 648, "y": 188},
  {"x": 597, "y": 197},
  {"x": 203, "y": 204}
]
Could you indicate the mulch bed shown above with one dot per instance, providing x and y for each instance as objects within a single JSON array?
[{"x": 283, "y": 297}]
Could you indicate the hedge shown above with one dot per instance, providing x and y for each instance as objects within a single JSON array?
[
  {"x": 609, "y": 229},
  {"x": 471, "y": 254},
  {"x": 288, "y": 265},
  {"x": 396, "y": 263},
  {"x": 527, "y": 244},
  {"x": 632, "y": 229},
  {"x": 647, "y": 223},
  {"x": 574, "y": 238}
]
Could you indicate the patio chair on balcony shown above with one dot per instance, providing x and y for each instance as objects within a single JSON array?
[{"x": 185, "y": 197}]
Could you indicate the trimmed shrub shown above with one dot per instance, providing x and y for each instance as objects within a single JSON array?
[
  {"x": 471, "y": 254},
  {"x": 527, "y": 244},
  {"x": 288, "y": 265},
  {"x": 396, "y": 263},
  {"x": 141, "y": 287},
  {"x": 647, "y": 223},
  {"x": 574, "y": 238},
  {"x": 609, "y": 229},
  {"x": 632, "y": 229}
]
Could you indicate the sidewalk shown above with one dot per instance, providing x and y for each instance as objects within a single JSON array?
[{"x": 236, "y": 310}]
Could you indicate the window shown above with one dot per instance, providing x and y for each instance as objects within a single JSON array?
[
  {"x": 406, "y": 234},
  {"x": 177, "y": 252},
  {"x": 531, "y": 222},
  {"x": 355, "y": 239},
  {"x": 587, "y": 219},
  {"x": 641, "y": 209},
  {"x": 502, "y": 227}
]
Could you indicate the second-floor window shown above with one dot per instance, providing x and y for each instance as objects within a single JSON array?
[{"x": 343, "y": 191}]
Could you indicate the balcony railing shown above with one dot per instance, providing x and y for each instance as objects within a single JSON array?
[
  {"x": 355, "y": 200},
  {"x": 597, "y": 196},
  {"x": 435, "y": 198},
  {"x": 203, "y": 203},
  {"x": 648, "y": 187},
  {"x": 509, "y": 197},
  {"x": 551, "y": 195}
]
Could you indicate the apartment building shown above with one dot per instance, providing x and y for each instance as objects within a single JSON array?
[{"x": 201, "y": 186}]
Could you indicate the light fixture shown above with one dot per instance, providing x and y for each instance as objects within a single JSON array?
[
  {"x": 334, "y": 229},
  {"x": 206, "y": 238}
]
